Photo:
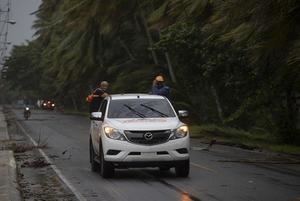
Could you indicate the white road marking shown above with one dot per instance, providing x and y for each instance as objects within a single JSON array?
[
  {"x": 200, "y": 148},
  {"x": 77, "y": 194},
  {"x": 203, "y": 167},
  {"x": 207, "y": 148}
]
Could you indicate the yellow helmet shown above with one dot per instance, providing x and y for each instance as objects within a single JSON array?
[{"x": 159, "y": 78}]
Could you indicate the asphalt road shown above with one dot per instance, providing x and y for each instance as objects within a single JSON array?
[{"x": 222, "y": 173}]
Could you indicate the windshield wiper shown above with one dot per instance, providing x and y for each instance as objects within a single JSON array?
[
  {"x": 134, "y": 111},
  {"x": 154, "y": 110}
]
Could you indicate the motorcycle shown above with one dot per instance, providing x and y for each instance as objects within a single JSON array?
[{"x": 27, "y": 113}]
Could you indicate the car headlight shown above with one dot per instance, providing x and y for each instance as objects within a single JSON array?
[
  {"x": 53, "y": 104},
  {"x": 113, "y": 133},
  {"x": 180, "y": 132}
]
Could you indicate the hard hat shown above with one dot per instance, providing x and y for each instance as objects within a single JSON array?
[{"x": 159, "y": 78}]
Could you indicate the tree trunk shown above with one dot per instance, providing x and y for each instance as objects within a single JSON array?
[
  {"x": 102, "y": 50},
  {"x": 291, "y": 109},
  {"x": 149, "y": 37},
  {"x": 126, "y": 49},
  {"x": 138, "y": 27},
  {"x": 75, "y": 106},
  {"x": 170, "y": 67},
  {"x": 219, "y": 108}
]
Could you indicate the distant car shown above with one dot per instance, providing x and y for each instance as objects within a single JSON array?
[
  {"x": 48, "y": 105},
  {"x": 138, "y": 130}
]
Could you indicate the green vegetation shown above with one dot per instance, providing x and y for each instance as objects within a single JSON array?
[
  {"x": 230, "y": 63},
  {"x": 254, "y": 139}
]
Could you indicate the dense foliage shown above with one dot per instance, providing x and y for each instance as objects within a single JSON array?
[{"x": 229, "y": 62}]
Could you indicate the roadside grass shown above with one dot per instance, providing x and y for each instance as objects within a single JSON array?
[
  {"x": 257, "y": 139},
  {"x": 284, "y": 148}
]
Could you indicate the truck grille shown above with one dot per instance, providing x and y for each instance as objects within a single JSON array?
[{"x": 148, "y": 137}]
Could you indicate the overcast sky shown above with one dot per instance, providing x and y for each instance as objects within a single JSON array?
[{"x": 20, "y": 12}]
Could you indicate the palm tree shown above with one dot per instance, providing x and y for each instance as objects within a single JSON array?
[
  {"x": 269, "y": 32},
  {"x": 82, "y": 39}
]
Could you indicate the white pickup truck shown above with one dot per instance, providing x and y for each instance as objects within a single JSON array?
[{"x": 138, "y": 130}]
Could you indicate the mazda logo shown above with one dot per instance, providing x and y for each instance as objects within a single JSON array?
[{"x": 148, "y": 136}]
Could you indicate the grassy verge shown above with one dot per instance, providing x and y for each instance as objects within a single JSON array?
[{"x": 240, "y": 138}]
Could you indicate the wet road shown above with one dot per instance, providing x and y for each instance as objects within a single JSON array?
[{"x": 223, "y": 173}]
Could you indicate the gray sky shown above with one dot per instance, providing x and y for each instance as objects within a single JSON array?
[{"x": 20, "y": 12}]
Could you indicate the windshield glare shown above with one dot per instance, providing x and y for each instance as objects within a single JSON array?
[{"x": 140, "y": 108}]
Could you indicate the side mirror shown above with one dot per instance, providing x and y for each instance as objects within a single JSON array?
[
  {"x": 96, "y": 116},
  {"x": 183, "y": 113}
]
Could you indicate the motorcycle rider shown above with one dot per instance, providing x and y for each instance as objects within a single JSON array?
[
  {"x": 97, "y": 96},
  {"x": 159, "y": 87},
  {"x": 26, "y": 112}
]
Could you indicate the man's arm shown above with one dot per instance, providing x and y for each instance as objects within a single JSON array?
[
  {"x": 99, "y": 93},
  {"x": 104, "y": 95}
]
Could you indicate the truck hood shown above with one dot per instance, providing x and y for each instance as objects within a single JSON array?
[{"x": 144, "y": 124}]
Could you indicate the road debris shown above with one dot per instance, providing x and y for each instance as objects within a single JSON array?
[
  {"x": 21, "y": 148},
  {"x": 37, "y": 163}
]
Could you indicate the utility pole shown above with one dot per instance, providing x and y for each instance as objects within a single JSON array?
[{"x": 6, "y": 21}]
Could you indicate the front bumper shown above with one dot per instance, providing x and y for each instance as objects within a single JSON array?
[
  {"x": 144, "y": 155},
  {"x": 142, "y": 164}
]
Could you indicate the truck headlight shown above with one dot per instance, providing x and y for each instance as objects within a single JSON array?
[
  {"x": 180, "y": 132},
  {"x": 113, "y": 133}
]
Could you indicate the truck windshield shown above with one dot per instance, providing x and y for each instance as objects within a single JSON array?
[{"x": 140, "y": 108}]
